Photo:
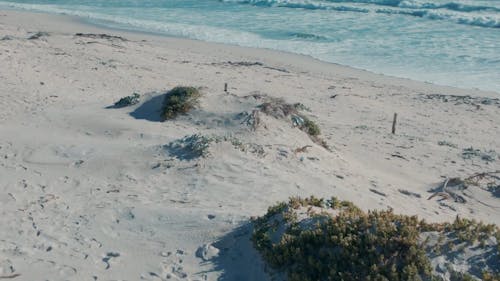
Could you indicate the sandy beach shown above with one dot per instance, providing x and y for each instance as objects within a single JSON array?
[{"x": 90, "y": 192}]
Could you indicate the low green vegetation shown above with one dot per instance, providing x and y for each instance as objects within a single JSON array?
[
  {"x": 447, "y": 143},
  {"x": 189, "y": 147},
  {"x": 491, "y": 277},
  {"x": 127, "y": 101},
  {"x": 198, "y": 145},
  {"x": 279, "y": 109},
  {"x": 485, "y": 276},
  {"x": 489, "y": 181},
  {"x": 470, "y": 231},
  {"x": 316, "y": 239},
  {"x": 310, "y": 128},
  {"x": 472, "y": 153},
  {"x": 179, "y": 100},
  {"x": 361, "y": 127}
]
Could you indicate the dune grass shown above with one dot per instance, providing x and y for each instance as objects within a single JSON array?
[{"x": 280, "y": 109}]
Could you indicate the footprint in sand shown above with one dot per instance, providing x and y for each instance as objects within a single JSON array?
[
  {"x": 64, "y": 271},
  {"x": 58, "y": 155},
  {"x": 7, "y": 270},
  {"x": 172, "y": 265}
]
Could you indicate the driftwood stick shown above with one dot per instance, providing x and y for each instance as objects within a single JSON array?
[
  {"x": 11, "y": 276},
  {"x": 442, "y": 193},
  {"x": 445, "y": 185},
  {"x": 485, "y": 174},
  {"x": 445, "y": 193},
  {"x": 302, "y": 149},
  {"x": 394, "y": 123}
]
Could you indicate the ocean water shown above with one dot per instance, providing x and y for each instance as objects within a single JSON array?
[{"x": 448, "y": 42}]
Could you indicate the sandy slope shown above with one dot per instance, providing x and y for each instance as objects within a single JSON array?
[{"x": 89, "y": 193}]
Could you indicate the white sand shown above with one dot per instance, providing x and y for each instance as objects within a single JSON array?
[{"x": 88, "y": 193}]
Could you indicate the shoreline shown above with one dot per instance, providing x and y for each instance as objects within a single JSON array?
[{"x": 83, "y": 22}]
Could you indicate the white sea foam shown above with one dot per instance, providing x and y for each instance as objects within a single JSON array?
[{"x": 456, "y": 12}]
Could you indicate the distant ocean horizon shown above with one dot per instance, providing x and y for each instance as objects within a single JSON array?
[{"x": 446, "y": 42}]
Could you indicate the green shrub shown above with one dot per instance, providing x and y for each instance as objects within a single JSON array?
[
  {"x": 310, "y": 127},
  {"x": 338, "y": 241},
  {"x": 490, "y": 276},
  {"x": 470, "y": 231},
  {"x": 179, "y": 100},
  {"x": 127, "y": 101}
]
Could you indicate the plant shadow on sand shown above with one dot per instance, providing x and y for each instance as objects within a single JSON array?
[
  {"x": 238, "y": 259},
  {"x": 150, "y": 110}
]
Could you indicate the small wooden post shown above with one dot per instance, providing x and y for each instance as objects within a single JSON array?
[
  {"x": 225, "y": 87},
  {"x": 394, "y": 123}
]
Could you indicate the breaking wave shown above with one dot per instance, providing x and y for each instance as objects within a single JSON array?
[{"x": 474, "y": 15}]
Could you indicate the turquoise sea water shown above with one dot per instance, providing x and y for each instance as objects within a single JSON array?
[{"x": 449, "y": 42}]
